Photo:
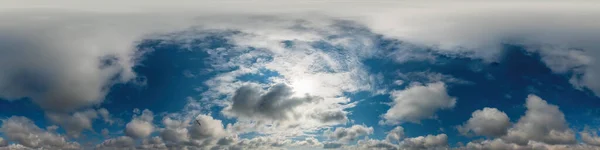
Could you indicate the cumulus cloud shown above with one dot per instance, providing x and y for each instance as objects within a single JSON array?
[
  {"x": 121, "y": 143},
  {"x": 395, "y": 135},
  {"x": 542, "y": 122},
  {"x": 24, "y": 132},
  {"x": 531, "y": 145},
  {"x": 74, "y": 123},
  {"x": 275, "y": 104},
  {"x": 426, "y": 142},
  {"x": 140, "y": 126},
  {"x": 489, "y": 122},
  {"x": 279, "y": 110},
  {"x": 349, "y": 134},
  {"x": 590, "y": 138},
  {"x": 208, "y": 128},
  {"x": 418, "y": 102}
]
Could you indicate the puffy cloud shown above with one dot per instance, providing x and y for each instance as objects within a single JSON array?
[
  {"x": 418, "y": 102},
  {"x": 489, "y": 122},
  {"x": 349, "y": 134},
  {"x": 175, "y": 131},
  {"x": 375, "y": 144},
  {"x": 590, "y": 138},
  {"x": 395, "y": 135},
  {"x": 208, "y": 128},
  {"x": 275, "y": 104},
  {"x": 279, "y": 111},
  {"x": 74, "y": 123},
  {"x": 542, "y": 122},
  {"x": 531, "y": 145},
  {"x": 24, "y": 132},
  {"x": 426, "y": 142},
  {"x": 120, "y": 143},
  {"x": 140, "y": 126}
]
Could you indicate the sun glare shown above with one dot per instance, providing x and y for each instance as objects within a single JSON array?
[{"x": 303, "y": 86}]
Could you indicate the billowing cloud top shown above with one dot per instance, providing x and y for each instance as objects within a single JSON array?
[{"x": 299, "y": 74}]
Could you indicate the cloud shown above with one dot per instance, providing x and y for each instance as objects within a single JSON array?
[
  {"x": 209, "y": 128},
  {"x": 426, "y": 142},
  {"x": 3, "y": 142},
  {"x": 332, "y": 145},
  {"x": 395, "y": 135},
  {"x": 418, "y": 102},
  {"x": 140, "y": 126},
  {"x": 122, "y": 142},
  {"x": 349, "y": 134},
  {"x": 105, "y": 115},
  {"x": 431, "y": 77},
  {"x": 23, "y": 131},
  {"x": 489, "y": 122},
  {"x": 590, "y": 138},
  {"x": 542, "y": 122},
  {"x": 375, "y": 144},
  {"x": 153, "y": 143},
  {"x": 501, "y": 144},
  {"x": 275, "y": 104},
  {"x": 74, "y": 123},
  {"x": 279, "y": 111}
]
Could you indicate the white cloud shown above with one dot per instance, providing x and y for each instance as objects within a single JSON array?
[
  {"x": 542, "y": 122},
  {"x": 418, "y": 102},
  {"x": 590, "y": 138},
  {"x": 24, "y": 132},
  {"x": 426, "y": 142},
  {"x": 349, "y": 134},
  {"x": 140, "y": 126},
  {"x": 489, "y": 122},
  {"x": 395, "y": 135}
]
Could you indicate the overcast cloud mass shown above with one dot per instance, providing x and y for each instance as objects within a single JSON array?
[{"x": 148, "y": 74}]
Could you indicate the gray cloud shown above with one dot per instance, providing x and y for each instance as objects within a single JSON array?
[
  {"x": 489, "y": 122},
  {"x": 74, "y": 123},
  {"x": 426, "y": 142},
  {"x": 335, "y": 116},
  {"x": 140, "y": 126},
  {"x": 542, "y": 122},
  {"x": 276, "y": 104},
  {"x": 105, "y": 115},
  {"x": 418, "y": 102},
  {"x": 23, "y": 131},
  {"x": 3, "y": 142},
  {"x": 332, "y": 145},
  {"x": 119, "y": 143},
  {"x": 349, "y": 134}
]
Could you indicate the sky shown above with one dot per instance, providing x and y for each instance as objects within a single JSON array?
[{"x": 298, "y": 75}]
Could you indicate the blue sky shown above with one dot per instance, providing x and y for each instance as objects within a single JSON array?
[{"x": 114, "y": 79}]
